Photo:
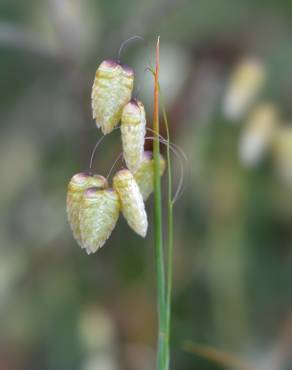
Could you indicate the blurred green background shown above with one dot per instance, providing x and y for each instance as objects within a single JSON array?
[{"x": 61, "y": 309}]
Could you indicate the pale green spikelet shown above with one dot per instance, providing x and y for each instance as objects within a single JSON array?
[
  {"x": 144, "y": 176},
  {"x": 76, "y": 187},
  {"x": 133, "y": 129},
  {"x": 112, "y": 89},
  {"x": 132, "y": 204},
  {"x": 99, "y": 212}
]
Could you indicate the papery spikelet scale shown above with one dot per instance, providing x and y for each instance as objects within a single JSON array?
[
  {"x": 76, "y": 187},
  {"x": 144, "y": 176},
  {"x": 132, "y": 204},
  {"x": 133, "y": 129},
  {"x": 99, "y": 212},
  {"x": 112, "y": 89}
]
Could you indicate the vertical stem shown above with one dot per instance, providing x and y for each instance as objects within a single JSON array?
[
  {"x": 158, "y": 226},
  {"x": 169, "y": 237}
]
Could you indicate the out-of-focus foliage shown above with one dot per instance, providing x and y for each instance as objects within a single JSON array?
[{"x": 61, "y": 309}]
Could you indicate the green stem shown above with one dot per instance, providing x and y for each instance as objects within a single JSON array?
[
  {"x": 170, "y": 235},
  {"x": 161, "y": 355}
]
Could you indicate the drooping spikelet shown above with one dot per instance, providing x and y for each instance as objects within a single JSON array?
[
  {"x": 132, "y": 204},
  {"x": 112, "y": 89},
  {"x": 99, "y": 212},
  {"x": 144, "y": 176},
  {"x": 76, "y": 187},
  {"x": 133, "y": 129}
]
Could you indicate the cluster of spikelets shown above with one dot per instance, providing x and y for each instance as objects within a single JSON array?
[
  {"x": 93, "y": 207},
  {"x": 263, "y": 131}
]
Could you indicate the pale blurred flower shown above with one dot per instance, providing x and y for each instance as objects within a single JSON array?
[
  {"x": 97, "y": 337},
  {"x": 257, "y": 134},
  {"x": 245, "y": 83},
  {"x": 283, "y": 153},
  {"x": 100, "y": 362},
  {"x": 70, "y": 26},
  {"x": 78, "y": 24},
  {"x": 96, "y": 330}
]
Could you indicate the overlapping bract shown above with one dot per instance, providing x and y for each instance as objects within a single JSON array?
[
  {"x": 76, "y": 187},
  {"x": 98, "y": 216},
  {"x": 112, "y": 89},
  {"x": 133, "y": 129},
  {"x": 132, "y": 204},
  {"x": 144, "y": 176}
]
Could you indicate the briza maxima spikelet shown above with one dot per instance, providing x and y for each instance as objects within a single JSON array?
[
  {"x": 98, "y": 216},
  {"x": 132, "y": 204},
  {"x": 246, "y": 82},
  {"x": 112, "y": 89},
  {"x": 144, "y": 176},
  {"x": 257, "y": 135},
  {"x": 77, "y": 185},
  {"x": 133, "y": 129}
]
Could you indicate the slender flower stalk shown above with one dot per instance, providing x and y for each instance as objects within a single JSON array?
[
  {"x": 169, "y": 256},
  {"x": 159, "y": 255}
]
